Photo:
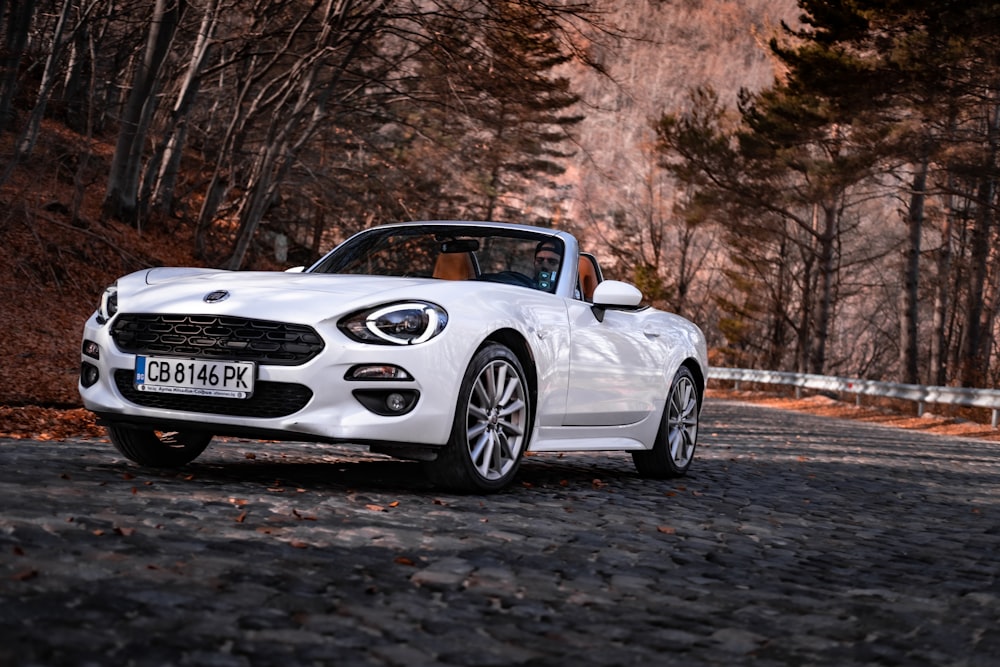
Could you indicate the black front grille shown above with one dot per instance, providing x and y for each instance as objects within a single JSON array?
[
  {"x": 216, "y": 337},
  {"x": 270, "y": 399}
]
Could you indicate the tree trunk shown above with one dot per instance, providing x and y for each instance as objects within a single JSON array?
[
  {"x": 30, "y": 134},
  {"x": 974, "y": 355},
  {"x": 938, "y": 364},
  {"x": 161, "y": 173},
  {"x": 827, "y": 279},
  {"x": 20, "y": 13},
  {"x": 909, "y": 313},
  {"x": 777, "y": 340},
  {"x": 121, "y": 197}
]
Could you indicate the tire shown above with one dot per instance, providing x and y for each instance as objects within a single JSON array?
[
  {"x": 491, "y": 427},
  {"x": 677, "y": 437},
  {"x": 158, "y": 449}
]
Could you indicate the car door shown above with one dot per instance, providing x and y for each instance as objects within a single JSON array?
[{"x": 615, "y": 368}]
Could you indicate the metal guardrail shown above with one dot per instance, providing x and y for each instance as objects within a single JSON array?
[{"x": 964, "y": 396}]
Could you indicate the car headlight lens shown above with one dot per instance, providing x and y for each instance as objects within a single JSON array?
[
  {"x": 109, "y": 304},
  {"x": 406, "y": 323}
]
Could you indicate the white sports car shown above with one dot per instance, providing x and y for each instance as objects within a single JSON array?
[{"x": 459, "y": 344}]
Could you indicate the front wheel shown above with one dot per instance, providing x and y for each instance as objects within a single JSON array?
[
  {"x": 158, "y": 449},
  {"x": 673, "y": 449},
  {"x": 491, "y": 427}
]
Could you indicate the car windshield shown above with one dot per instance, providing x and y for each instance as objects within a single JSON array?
[{"x": 451, "y": 253}]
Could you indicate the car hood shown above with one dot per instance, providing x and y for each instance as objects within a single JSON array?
[{"x": 294, "y": 297}]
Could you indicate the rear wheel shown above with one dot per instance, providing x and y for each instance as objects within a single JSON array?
[
  {"x": 158, "y": 449},
  {"x": 673, "y": 449},
  {"x": 491, "y": 427}
]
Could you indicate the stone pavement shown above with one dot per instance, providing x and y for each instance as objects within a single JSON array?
[{"x": 795, "y": 540}]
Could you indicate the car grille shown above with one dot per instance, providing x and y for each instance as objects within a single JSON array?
[
  {"x": 269, "y": 399},
  {"x": 217, "y": 337}
]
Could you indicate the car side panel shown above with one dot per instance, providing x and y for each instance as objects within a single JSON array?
[{"x": 616, "y": 369}]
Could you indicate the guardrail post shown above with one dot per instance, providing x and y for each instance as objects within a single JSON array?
[
  {"x": 994, "y": 417},
  {"x": 920, "y": 408}
]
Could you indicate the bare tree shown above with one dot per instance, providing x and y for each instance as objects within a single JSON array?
[{"x": 121, "y": 198}]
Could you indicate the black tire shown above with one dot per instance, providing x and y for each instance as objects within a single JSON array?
[
  {"x": 491, "y": 428},
  {"x": 677, "y": 437},
  {"x": 158, "y": 449}
]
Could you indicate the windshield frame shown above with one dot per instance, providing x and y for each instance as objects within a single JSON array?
[{"x": 343, "y": 259}]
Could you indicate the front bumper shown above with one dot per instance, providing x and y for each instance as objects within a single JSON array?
[{"x": 311, "y": 401}]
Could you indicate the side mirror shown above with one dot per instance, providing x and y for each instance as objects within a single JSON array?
[{"x": 615, "y": 294}]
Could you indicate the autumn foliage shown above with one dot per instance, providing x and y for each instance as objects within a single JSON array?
[{"x": 53, "y": 267}]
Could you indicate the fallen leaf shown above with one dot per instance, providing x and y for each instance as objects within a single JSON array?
[
  {"x": 375, "y": 508},
  {"x": 394, "y": 503},
  {"x": 403, "y": 560},
  {"x": 242, "y": 517},
  {"x": 668, "y": 530},
  {"x": 124, "y": 532},
  {"x": 299, "y": 544},
  {"x": 25, "y": 575}
]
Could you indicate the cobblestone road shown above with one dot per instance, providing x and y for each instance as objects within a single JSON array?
[{"x": 796, "y": 540}]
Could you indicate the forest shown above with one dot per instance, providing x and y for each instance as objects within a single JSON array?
[{"x": 815, "y": 183}]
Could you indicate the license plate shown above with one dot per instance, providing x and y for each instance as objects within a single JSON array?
[{"x": 195, "y": 377}]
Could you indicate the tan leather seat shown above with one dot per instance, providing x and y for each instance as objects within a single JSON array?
[
  {"x": 454, "y": 266},
  {"x": 588, "y": 279}
]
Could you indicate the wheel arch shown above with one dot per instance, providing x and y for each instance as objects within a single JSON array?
[
  {"x": 699, "y": 377},
  {"x": 516, "y": 343}
]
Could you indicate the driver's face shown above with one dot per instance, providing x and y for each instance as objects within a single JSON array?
[{"x": 546, "y": 260}]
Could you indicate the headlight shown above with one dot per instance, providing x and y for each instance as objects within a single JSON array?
[
  {"x": 406, "y": 323},
  {"x": 109, "y": 304}
]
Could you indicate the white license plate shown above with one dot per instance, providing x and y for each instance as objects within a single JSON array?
[{"x": 195, "y": 377}]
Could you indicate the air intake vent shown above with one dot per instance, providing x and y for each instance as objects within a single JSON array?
[{"x": 270, "y": 399}]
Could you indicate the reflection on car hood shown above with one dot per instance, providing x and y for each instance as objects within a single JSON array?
[{"x": 301, "y": 297}]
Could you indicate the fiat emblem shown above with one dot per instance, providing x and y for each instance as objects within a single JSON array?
[{"x": 216, "y": 296}]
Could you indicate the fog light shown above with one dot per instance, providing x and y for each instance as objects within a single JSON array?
[
  {"x": 395, "y": 402},
  {"x": 89, "y": 374},
  {"x": 91, "y": 349},
  {"x": 388, "y": 402}
]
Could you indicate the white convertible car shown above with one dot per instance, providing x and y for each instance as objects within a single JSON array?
[{"x": 459, "y": 344}]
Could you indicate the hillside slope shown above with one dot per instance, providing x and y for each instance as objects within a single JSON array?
[{"x": 54, "y": 266}]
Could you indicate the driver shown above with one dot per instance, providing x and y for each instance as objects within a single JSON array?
[{"x": 547, "y": 258}]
